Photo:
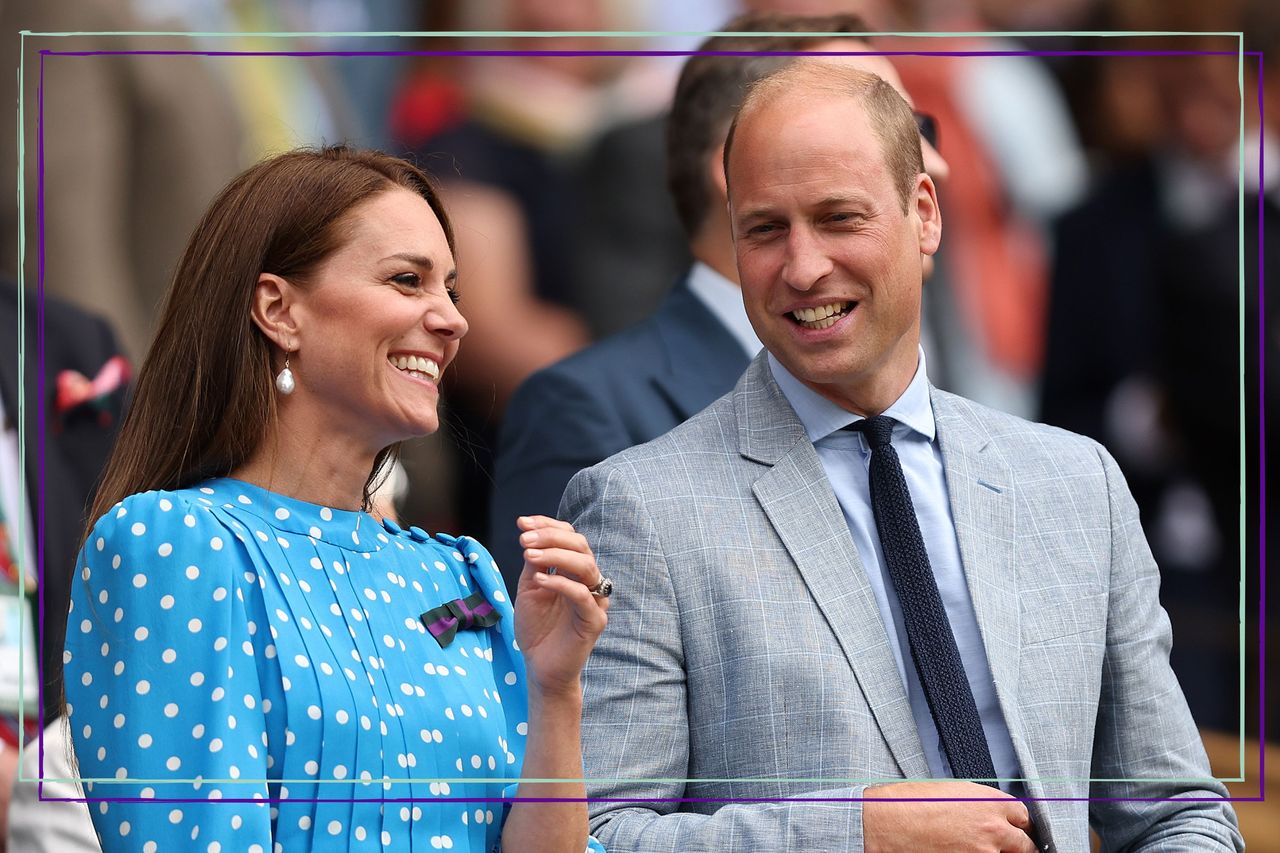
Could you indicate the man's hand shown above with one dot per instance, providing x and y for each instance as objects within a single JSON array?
[{"x": 1001, "y": 825}]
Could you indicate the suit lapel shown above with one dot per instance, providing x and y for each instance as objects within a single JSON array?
[
  {"x": 984, "y": 506},
  {"x": 702, "y": 358},
  {"x": 798, "y": 500}
]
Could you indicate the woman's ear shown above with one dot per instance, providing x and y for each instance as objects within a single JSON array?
[{"x": 273, "y": 310}]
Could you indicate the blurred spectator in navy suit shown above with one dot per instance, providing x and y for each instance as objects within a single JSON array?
[{"x": 639, "y": 384}]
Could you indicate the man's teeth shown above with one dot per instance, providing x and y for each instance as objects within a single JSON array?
[
  {"x": 412, "y": 364},
  {"x": 822, "y": 316}
]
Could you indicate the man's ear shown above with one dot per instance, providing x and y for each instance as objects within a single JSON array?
[
  {"x": 928, "y": 213},
  {"x": 274, "y": 309}
]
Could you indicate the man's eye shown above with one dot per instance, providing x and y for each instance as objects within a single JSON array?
[
  {"x": 407, "y": 279},
  {"x": 763, "y": 228},
  {"x": 454, "y": 296}
]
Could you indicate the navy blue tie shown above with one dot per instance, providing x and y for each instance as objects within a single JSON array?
[{"x": 933, "y": 645}]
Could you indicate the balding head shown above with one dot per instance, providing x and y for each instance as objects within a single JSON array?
[{"x": 889, "y": 115}]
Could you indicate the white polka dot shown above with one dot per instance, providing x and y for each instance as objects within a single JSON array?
[
  {"x": 139, "y": 581},
  {"x": 194, "y": 626},
  {"x": 314, "y": 532},
  {"x": 340, "y": 772},
  {"x": 193, "y": 572},
  {"x": 360, "y": 833},
  {"x": 522, "y": 728},
  {"x": 216, "y": 543},
  {"x": 165, "y": 549},
  {"x": 173, "y": 763},
  {"x": 141, "y": 633},
  {"x": 175, "y": 816},
  {"x": 124, "y": 826},
  {"x": 166, "y": 603},
  {"x": 219, "y": 593},
  {"x": 313, "y": 711},
  {"x": 137, "y": 530}
]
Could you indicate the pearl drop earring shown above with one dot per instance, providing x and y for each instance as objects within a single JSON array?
[{"x": 284, "y": 379}]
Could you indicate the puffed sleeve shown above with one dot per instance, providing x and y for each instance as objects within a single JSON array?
[{"x": 162, "y": 687}]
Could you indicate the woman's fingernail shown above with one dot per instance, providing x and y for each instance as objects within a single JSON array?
[
  {"x": 533, "y": 553},
  {"x": 530, "y": 536}
]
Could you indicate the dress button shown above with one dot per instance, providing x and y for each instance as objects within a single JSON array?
[
  {"x": 392, "y": 527},
  {"x": 419, "y": 534}
]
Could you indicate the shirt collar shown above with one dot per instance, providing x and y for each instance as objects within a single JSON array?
[
  {"x": 723, "y": 299},
  {"x": 821, "y": 417}
]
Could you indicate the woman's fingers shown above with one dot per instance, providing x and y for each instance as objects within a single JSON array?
[
  {"x": 532, "y": 522},
  {"x": 574, "y": 565},
  {"x": 553, "y": 546},
  {"x": 587, "y": 607},
  {"x": 555, "y": 537}
]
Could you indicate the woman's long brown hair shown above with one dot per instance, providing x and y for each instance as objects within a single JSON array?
[{"x": 204, "y": 395}]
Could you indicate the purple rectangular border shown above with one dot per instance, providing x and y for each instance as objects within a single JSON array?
[{"x": 41, "y": 415}]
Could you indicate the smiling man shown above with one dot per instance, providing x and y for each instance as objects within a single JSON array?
[{"x": 840, "y": 583}]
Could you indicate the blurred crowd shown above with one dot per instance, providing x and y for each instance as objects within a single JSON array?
[{"x": 1099, "y": 217}]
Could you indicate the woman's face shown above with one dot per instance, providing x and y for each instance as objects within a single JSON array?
[{"x": 377, "y": 324}]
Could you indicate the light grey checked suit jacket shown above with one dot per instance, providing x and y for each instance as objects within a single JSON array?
[{"x": 745, "y": 652}]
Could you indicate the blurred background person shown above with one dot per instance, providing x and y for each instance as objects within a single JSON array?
[{"x": 83, "y": 386}]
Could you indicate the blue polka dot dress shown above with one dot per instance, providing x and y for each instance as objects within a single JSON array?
[{"x": 257, "y": 664}]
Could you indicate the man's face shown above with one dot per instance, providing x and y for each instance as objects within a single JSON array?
[{"x": 829, "y": 263}]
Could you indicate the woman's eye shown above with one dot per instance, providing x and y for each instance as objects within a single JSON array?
[
  {"x": 407, "y": 279},
  {"x": 454, "y": 296}
]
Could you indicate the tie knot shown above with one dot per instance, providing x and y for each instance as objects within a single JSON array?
[{"x": 878, "y": 430}]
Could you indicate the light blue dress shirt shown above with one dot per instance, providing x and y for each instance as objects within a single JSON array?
[{"x": 845, "y": 457}]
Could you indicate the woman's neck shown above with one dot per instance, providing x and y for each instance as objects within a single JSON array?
[{"x": 315, "y": 466}]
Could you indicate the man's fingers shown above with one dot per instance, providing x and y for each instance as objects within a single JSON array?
[
  {"x": 1019, "y": 816},
  {"x": 1017, "y": 841}
]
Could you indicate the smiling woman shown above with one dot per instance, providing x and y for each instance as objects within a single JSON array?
[{"x": 254, "y": 661}]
